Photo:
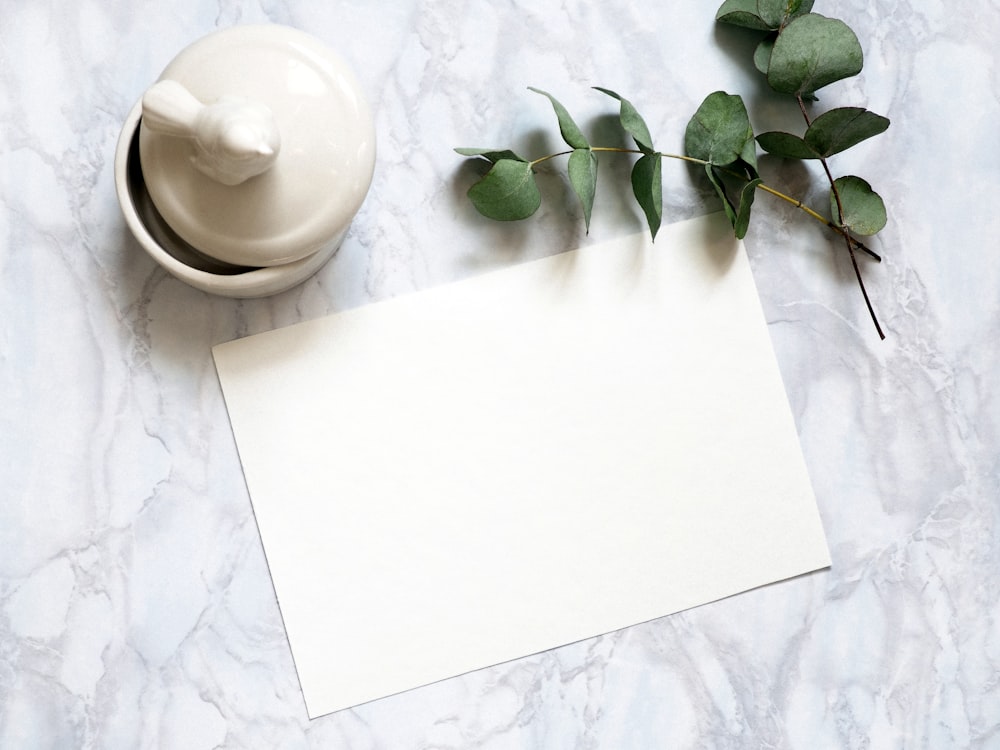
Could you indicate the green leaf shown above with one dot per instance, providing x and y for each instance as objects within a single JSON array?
[
  {"x": 720, "y": 190},
  {"x": 507, "y": 192},
  {"x": 762, "y": 55},
  {"x": 742, "y": 222},
  {"x": 583, "y": 178},
  {"x": 786, "y": 145},
  {"x": 647, "y": 186},
  {"x": 570, "y": 132},
  {"x": 839, "y": 129},
  {"x": 829, "y": 134},
  {"x": 739, "y": 216},
  {"x": 811, "y": 52},
  {"x": 632, "y": 122},
  {"x": 491, "y": 155},
  {"x": 762, "y": 15},
  {"x": 775, "y": 13},
  {"x": 748, "y": 157},
  {"x": 864, "y": 210},
  {"x": 741, "y": 13},
  {"x": 719, "y": 131},
  {"x": 799, "y": 7}
]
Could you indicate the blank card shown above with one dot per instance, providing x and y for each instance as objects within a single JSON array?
[{"x": 478, "y": 472}]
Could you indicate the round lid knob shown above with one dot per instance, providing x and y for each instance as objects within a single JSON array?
[{"x": 257, "y": 145}]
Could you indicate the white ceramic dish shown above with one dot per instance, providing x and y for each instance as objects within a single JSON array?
[{"x": 277, "y": 228}]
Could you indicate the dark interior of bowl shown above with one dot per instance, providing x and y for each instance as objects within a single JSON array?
[{"x": 159, "y": 230}]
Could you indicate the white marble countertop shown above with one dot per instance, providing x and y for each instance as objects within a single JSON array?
[{"x": 135, "y": 606}]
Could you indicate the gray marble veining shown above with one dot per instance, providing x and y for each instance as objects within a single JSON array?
[{"x": 135, "y": 606}]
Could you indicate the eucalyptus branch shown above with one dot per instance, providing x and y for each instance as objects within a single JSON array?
[{"x": 799, "y": 53}]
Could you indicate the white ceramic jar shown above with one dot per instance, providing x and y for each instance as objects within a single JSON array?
[{"x": 241, "y": 169}]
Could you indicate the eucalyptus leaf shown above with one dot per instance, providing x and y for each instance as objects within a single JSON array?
[
  {"x": 632, "y": 122},
  {"x": 741, "y": 13},
  {"x": 839, "y": 129},
  {"x": 720, "y": 190},
  {"x": 583, "y": 178},
  {"x": 776, "y": 13},
  {"x": 813, "y": 51},
  {"x": 748, "y": 157},
  {"x": 573, "y": 136},
  {"x": 762, "y": 54},
  {"x": 762, "y": 15},
  {"x": 647, "y": 186},
  {"x": 719, "y": 130},
  {"x": 491, "y": 155},
  {"x": 786, "y": 145},
  {"x": 864, "y": 209},
  {"x": 747, "y": 194},
  {"x": 507, "y": 192}
]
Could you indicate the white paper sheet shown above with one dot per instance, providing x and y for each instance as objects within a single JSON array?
[{"x": 482, "y": 471}]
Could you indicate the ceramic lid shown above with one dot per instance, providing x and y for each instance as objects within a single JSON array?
[{"x": 257, "y": 145}]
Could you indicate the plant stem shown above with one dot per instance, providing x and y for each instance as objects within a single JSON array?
[
  {"x": 822, "y": 219},
  {"x": 854, "y": 243},
  {"x": 843, "y": 230}
]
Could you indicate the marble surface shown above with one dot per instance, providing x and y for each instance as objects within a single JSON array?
[{"x": 135, "y": 606}]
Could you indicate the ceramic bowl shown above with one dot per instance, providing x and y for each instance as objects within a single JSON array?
[{"x": 277, "y": 229}]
